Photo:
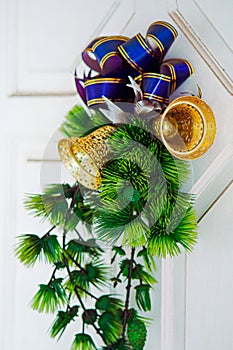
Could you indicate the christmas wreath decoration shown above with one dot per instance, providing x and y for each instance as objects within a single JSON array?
[{"x": 130, "y": 165}]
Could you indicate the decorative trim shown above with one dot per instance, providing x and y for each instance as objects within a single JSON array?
[
  {"x": 213, "y": 183},
  {"x": 167, "y": 306},
  {"x": 185, "y": 26}
]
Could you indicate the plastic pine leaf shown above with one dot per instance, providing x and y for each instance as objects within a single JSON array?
[
  {"x": 62, "y": 320},
  {"x": 80, "y": 279},
  {"x": 80, "y": 123},
  {"x": 94, "y": 273},
  {"x": 110, "y": 326},
  {"x": 51, "y": 205},
  {"x": 108, "y": 303},
  {"x": 143, "y": 297},
  {"x": 148, "y": 259},
  {"x": 83, "y": 211},
  {"x": 119, "y": 250},
  {"x": 135, "y": 233},
  {"x": 72, "y": 222},
  {"x": 34, "y": 204},
  {"x": 79, "y": 250},
  {"x": 164, "y": 241},
  {"x": 51, "y": 248},
  {"x": 176, "y": 171},
  {"x": 83, "y": 341},
  {"x": 49, "y": 297},
  {"x": 97, "y": 273},
  {"x": 29, "y": 248}
]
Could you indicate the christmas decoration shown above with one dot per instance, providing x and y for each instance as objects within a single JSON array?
[
  {"x": 129, "y": 168},
  {"x": 187, "y": 127},
  {"x": 84, "y": 156}
]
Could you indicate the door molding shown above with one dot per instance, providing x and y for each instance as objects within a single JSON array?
[{"x": 188, "y": 28}]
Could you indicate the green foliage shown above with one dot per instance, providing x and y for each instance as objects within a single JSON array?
[
  {"x": 139, "y": 205},
  {"x": 80, "y": 123},
  {"x": 108, "y": 303},
  {"x": 176, "y": 171},
  {"x": 148, "y": 259},
  {"x": 169, "y": 240},
  {"x": 93, "y": 273},
  {"x": 83, "y": 341},
  {"x": 138, "y": 272},
  {"x": 79, "y": 250},
  {"x": 31, "y": 248},
  {"x": 143, "y": 297},
  {"x": 51, "y": 205},
  {"x": 83, "y": 211},
  {"x": 28, "y": 249},
  {"x": 119, "y": 250},
  {"x": 110, "y": 326},
  {"x": 49, "y": 297},
  {"x": 136, "y": 333},
  {"x": 112, "y": 223},
  {"x": 62, "y": 320},
  {"x": 140, "y": 193},
  {"x": 51, "y": 248}
]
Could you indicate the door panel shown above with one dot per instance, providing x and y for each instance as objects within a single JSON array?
[
  {"x": 209, "y": 283},
  {"x": 41, "y": 44},
  {"x": 46, "y": 38}
]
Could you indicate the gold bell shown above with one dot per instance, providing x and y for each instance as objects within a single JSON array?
[
  {"x": 83, "y": 157},
  {"x": 187, "y": 127}
]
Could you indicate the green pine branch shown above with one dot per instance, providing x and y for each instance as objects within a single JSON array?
[{"x": 139, "y": 207}]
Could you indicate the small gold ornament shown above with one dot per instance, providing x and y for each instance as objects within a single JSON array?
[
  {"x": 187, "y": 127},
  {"x": 83, "y": 157}
]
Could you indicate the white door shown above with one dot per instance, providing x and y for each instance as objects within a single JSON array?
[{"x": 40, "y": 44}]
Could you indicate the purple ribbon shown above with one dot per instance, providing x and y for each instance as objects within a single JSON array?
[{"x": 114, "y": 58}]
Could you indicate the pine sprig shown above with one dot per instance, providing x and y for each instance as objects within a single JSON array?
[
  {"x": 28, "y": 249},
  {"x": 50, "y": 297},
  {"x": 79, "y": 250},
  {"x": 163, "y": 241},
  {"x": 51, "y": 205},
  {"x": 32, "y": 248},
  {"x": 139, "y": 205},
  {"x": 62, "y": 320},
  {"x": 143, "y": 297},
  {"x": 111, "y": 326},
  {"x": 80, "y": 123},
  {"x": 83, "y": 341},
  {"x": 93, "y": 273}
]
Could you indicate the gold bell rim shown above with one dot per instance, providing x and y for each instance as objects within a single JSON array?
[
  {"x": 191, "y": 101},
  {"x": 68, "y": 142}
]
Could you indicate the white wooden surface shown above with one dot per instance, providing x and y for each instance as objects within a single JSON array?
[{"x": 40, "y": 43}]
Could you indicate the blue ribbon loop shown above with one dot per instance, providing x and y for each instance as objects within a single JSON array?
[
  {"x": 161, "y": 36},
  {"x": 114, "y": 58},
  {"x": 156, "y": 87},
  {"x": 105, "y": 49},
  {"x": 178, "y": 69},
  {"x": 138, "y": 54},
  {"x": 112, "y": 88}
]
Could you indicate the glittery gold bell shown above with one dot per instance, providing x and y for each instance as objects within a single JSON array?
[
  {"x": 83, "y": 157},
  {"x": 187, "y": 127}
]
